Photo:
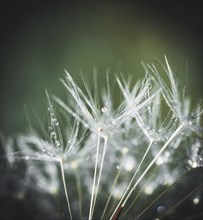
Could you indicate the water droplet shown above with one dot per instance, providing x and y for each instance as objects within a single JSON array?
[
  {"x": 118, "y": 167},
  {"x": 194, "y": 164},
  {"x": 128, "y": 163},
  {"x": 173, "y": 116},
  {"x": 149, "y": 110},
  {"x": 54, "y": 122},
  {"x": 124, "y": 150},
  {"x": 104, "y": 109},
  {"x": 190, "y": 122},
  {"x": 57, "y": 143},
  {"x": 201, "y": 162},
  {"x": 88, "y": 157},
  {"x": 160, "y": 209},
  {"x": 53, "y": 134},
  {"x": 27, "y": 157},
  {"x": 196, "y": 200},
  {"x": 149, "y": 190}
]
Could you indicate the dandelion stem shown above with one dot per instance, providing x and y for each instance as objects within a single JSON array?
[
  {"x": 79, "y": 190},
  {"x": 64, "y": 185},
  {"x": 176, "y": 132},
  {"x": 100, "y": 170},
  {"x": 128, "y": 187},
  {"x": 95, "y": 176},
  {"x": 113, "y": 185},
  {"x": 137, "y": 196},
  {"x": 117, "y": 213}
]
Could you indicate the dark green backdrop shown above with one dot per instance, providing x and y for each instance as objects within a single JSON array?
[{"x": 39, "y": 39}]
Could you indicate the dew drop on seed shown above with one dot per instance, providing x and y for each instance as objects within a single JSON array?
[
  {"x": 173, "y": 116},
  {"x": 54, "y": 122},
  {"x": 53, "y": 134},
  {"x": 160, "y": 209},
  {"x": 124, "y": 150},
  {"x": 201, "y": 162},
  {"x": 104, "y": 109},
  {"x": 57, "y": 143},
  {"x": 27, "y": 157},
  {"x": 118, "y": 167},
  {"x": 196, "y": 200}
]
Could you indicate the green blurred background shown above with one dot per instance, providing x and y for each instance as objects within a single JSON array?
[{"x": 39, "y": 39}]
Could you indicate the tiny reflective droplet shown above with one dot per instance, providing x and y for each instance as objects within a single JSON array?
[
  {"x": 57, "y": 143},
  {"x": 118, "y": 167},
  {"x": 196, "y": 201},
  {"x": 104, "y": 109},
  {"x": 160, "y": 209},
  {"x": 27, "y": 157},
  {"x": 54, "y": 122},
  {"x": 53, "y": 134}
]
